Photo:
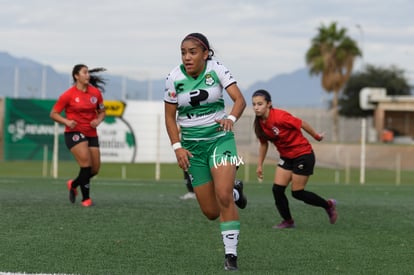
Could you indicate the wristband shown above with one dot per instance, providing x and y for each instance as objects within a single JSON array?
[
  {"x": 176, "y": 146},
  {"x": 232, "y": 118}
]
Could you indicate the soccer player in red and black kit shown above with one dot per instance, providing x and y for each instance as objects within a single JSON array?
[
  {"x": 84, "y": 111},
  {"x": 297, "y": 158}
]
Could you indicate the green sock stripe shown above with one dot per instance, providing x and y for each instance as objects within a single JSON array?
[{"x": 231, "y": 225}]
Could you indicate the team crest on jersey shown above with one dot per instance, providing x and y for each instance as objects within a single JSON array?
[
  {"x": 209, "y": 80},
  {"x": 93, "y": 100},
  {"x": 275, "y": 131}
]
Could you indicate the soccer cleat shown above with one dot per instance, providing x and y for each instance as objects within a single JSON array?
[
  {"x": 72, "y": 191},
  {"x": 242, "y": 201},
  {"x": 285, "y": 224},
  {"x": 230, "y": 262},
  {"x": 332, "y": 211},
  {"x": 188, "y": 196},
  {"x": 87, "y": 203}
]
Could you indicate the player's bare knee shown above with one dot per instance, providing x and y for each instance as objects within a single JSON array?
[
  {"x": 211, "y": 215},
  {"x": 225, "y": 199}
]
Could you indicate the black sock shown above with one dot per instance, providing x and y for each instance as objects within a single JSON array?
[
  {"x": 83, "y": 181},
  {"x": 187, "y": 178},
  {"x": 281, "y": 201},
  {"x": 310, "y": 198}
]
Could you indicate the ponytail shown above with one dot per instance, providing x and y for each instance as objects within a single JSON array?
[{"x": 96, "y": 80}]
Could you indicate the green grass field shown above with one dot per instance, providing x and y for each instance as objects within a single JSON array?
[
  {"x": 139, "y": 226},
  {"x": 147, "y": 171}
]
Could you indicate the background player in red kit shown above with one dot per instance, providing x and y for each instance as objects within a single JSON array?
[
  {"x": 297, "y": 158},
  {"x": 84, "y": 111}
]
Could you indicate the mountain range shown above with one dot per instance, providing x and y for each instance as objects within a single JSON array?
[{"x": 26, "y": 78}]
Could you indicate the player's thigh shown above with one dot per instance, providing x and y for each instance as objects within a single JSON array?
[
  {"x": 81, "y": 153},
  {"x": 282, "y": 176},
  {"x": 223, "y": 178},
  {"x": 299, "y": 182}
]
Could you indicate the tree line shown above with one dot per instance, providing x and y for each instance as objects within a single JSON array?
[{"x": 332, "y": 55}]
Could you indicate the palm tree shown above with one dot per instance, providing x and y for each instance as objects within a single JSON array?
[{"x": 332, "y": 54}]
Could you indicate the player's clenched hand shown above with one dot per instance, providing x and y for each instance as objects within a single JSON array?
[{"x": 71, "y": 124}]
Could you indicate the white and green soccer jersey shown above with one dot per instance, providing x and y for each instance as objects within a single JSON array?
[{"x": 199, "y": 100}]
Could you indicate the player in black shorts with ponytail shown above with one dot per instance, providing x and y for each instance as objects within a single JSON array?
[
  {"x": 84, "y": 111},
  {"x": 297, "y": 158}
]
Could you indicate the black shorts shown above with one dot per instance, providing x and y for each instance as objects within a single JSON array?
[
  {"x": 73, "y": 138},
  {"x": 302, "y": 165}
]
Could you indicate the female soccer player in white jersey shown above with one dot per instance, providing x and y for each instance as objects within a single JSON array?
[{"x": 206, "y": 147}]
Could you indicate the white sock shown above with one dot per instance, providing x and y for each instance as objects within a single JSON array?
[{"x": 230, "y": 240}]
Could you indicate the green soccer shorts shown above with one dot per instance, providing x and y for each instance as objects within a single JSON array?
[{"x": 210, "y": 154}]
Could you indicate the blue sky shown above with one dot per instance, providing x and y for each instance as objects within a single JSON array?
[{"x": 255, "y": 39}]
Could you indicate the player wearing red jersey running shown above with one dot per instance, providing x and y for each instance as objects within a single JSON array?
[
  {"x": 84, "y": 111},
  {"x": 297, "y": 158}
]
